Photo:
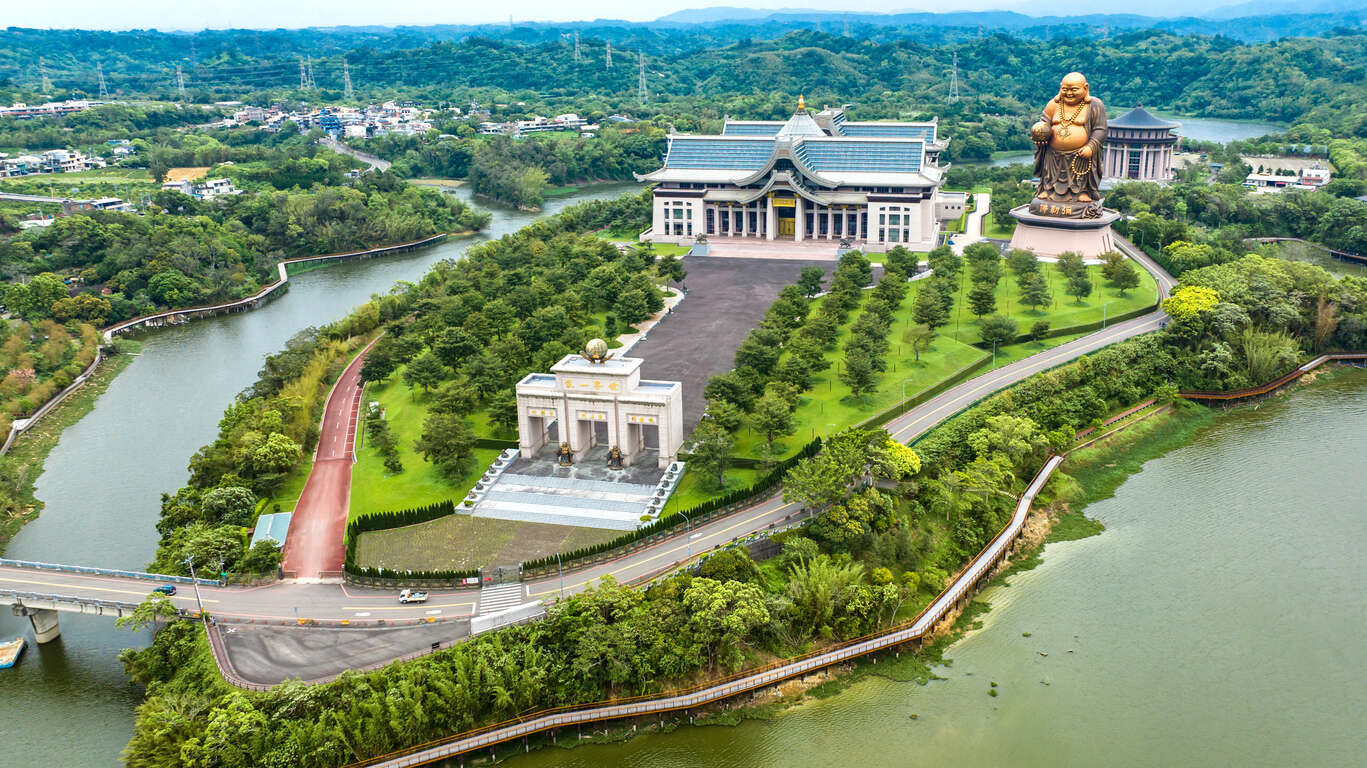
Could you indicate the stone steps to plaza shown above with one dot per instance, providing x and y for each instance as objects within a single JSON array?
[
  {"x": 553, "y": 514},
  {"x": 577, "y": 484},
  {"x": 634, "y": 497},
  {"x": 565, "y": 501}
]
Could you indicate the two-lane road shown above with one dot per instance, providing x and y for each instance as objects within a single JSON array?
[{"x": 277, "y": 602}]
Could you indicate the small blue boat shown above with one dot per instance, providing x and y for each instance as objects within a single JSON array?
[{"x": 10, "y": 652}]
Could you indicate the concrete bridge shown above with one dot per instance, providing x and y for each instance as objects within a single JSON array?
[{"x": 39, "y": 591}]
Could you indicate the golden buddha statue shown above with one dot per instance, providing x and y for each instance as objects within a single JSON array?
[{"x": 1068, "y": 151}]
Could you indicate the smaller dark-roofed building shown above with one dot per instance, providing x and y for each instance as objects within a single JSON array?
[{"x": 1140, "y": 146}]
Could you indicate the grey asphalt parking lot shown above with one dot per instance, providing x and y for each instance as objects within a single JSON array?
[
  {"x": 269, "y": 655},
  {"x": 726, "y": 298}
]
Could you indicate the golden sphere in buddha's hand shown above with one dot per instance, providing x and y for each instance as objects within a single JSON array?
[{"x": 1040, "y": 132}]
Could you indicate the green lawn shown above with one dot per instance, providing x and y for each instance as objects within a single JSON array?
[
  {"x": 373, "y": 489},
  {"x": 828, "y": 407},
  {"x": 1063, "y": 312},
  {"x": 991, "y": 229},
  {"x": 690, "y": 492}
]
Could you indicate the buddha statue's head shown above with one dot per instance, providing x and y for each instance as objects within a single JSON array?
[{"x": 1073, "y": 90}]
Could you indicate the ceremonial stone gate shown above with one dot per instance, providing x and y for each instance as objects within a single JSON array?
[{"x": 588, "y": 402}]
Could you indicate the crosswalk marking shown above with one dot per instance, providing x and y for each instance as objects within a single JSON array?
[{"x": 499, "y": 597}]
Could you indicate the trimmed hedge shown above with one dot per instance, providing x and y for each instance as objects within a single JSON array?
[
  {"x": 383, "y": 521},
  {"x": 494, "y": 442},
  {"x": 697, "y": 514}
]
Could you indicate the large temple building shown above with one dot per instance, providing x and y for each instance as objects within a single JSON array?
[
  {"x": 1139, "y": 146},
  {"x": 813, "y": 177}
]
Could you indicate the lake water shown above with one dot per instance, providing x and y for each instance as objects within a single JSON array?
[
  {"x": 1198, "y": 128},
  {"x": 67, "y": 703},
  {"x": 1218, "y": 620}
]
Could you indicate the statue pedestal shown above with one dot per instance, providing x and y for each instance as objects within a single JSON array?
[{"x": 1052, "y": 235}]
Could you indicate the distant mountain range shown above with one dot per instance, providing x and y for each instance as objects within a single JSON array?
[{"x": 1257, "y": 21}]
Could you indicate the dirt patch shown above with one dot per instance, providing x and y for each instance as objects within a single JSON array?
[
  {"x": 461, "y": 541},
  {"x": 186, "y": 174}
]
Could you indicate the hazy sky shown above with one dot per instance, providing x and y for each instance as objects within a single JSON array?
[{"x": 266, "y": 14}]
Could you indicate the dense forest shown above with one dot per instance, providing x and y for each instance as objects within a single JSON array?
[
  {"x": 143, "y": 62},
  {"x": 300, "y": 201},
  {"x": 1316, "y": 78}
]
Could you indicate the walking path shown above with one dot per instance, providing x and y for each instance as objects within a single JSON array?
[
  {"x": 316, "y": 544},
  {"x": 371, "y": 160},
  {"x": 973, "y": 227}
]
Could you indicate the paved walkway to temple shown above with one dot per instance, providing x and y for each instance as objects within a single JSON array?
[
  {"x": 315, "y": 545},
  {"x": 727, "y": 297},
  {"x": 782, "y": 250}
]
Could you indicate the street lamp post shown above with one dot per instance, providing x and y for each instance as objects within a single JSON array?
[
  {"x": 1103, "y": 313},
  {"x": 994, "y": 354},
  {"x": 191, "y": 562},
  {"x": 562, "y": 575},
  {"x": 688, "y": 531}
]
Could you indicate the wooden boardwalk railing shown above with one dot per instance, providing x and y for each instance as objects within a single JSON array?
[
  {"x": 953, "y": 596},
  {"x": 1276, "y": 383}
]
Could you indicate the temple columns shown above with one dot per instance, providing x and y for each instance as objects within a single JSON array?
[
  {"x": 799, "y": 217},
  {"x": 770, "y": 226}
]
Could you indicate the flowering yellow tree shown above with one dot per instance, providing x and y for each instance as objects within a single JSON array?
[{"x": 1190, "y": 302}]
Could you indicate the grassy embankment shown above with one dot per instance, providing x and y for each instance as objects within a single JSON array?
[
  {"x": 100, "y": 182},
  {"x": 30, "y": 450}
]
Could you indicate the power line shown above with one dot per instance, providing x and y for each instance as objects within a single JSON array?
[
  {"x": 346, "y": 81},
  {"x": 303, "y": 75},
  {"x": 44, "y": 84},
  {"x": 609, "y": 57},
  {"x": 847, "y": 25},
  {"x": 99, "y": 72},
  {"x": 180, "y": 82},
  {"x": 576, "y": 46}
]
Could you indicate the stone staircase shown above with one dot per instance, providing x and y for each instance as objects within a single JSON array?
[{"x": 566, "y": 501}]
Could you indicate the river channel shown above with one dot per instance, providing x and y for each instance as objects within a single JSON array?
[
  {"x": 1218, "y": 620},
  {"x": 1198, "y": 128},
  {"x": 68, "y": 703}
]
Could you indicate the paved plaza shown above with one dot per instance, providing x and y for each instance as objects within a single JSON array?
[{"x": 727, "y": 297}]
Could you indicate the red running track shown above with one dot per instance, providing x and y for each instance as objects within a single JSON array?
[{"x": 316, "y": 543}]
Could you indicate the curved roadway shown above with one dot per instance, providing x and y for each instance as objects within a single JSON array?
[{"x": 289, "y": 601}]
